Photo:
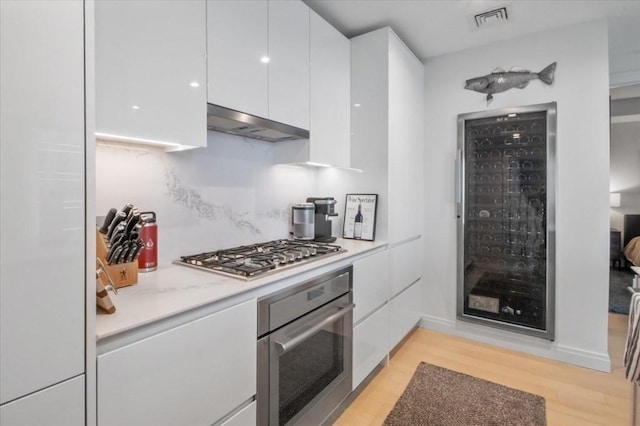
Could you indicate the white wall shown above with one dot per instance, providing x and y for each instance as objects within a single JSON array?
[
  {"x": 624, "y": 51},
  {"x": 581, "y": 91},
  {"x": 208, "y": 198}
]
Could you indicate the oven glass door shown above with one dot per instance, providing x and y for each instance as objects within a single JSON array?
[{"x": 311, "y": 358}]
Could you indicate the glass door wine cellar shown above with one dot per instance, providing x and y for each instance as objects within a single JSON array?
[{"x": 506, "y": 218}]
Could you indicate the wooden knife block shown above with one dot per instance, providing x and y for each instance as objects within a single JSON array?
[{"x": 122, "y": 274}]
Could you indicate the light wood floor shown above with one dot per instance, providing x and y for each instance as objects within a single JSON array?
[{"x": 574, "y": 395}]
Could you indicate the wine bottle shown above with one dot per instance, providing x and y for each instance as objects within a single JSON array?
[{"x": 357, "y": 224}]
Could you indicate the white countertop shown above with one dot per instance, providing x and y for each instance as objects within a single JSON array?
[{"x": 174, "y": 289}]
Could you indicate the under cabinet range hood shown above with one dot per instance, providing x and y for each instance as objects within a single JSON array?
[{"x": 221, "y": 119}]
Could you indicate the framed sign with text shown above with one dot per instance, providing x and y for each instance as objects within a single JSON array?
[{"x": 360, "y": 217}]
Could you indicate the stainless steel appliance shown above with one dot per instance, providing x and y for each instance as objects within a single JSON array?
[
  {"x": 324, "y": 207},
  {"x": 221, "y": 119},
  {"x": 257, "y": 260},
  {"x": 305, "y": 350},
  {"x": 303, "y": 221},
  {"x": 505, "y": 194}
]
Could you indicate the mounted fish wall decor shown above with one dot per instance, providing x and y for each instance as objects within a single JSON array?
[{"x": 500, "y": 80}]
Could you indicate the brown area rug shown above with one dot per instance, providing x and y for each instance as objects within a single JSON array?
[{"x": 437, "y": 396}]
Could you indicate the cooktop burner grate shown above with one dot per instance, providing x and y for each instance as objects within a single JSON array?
[{"x": 254, "y": 260}]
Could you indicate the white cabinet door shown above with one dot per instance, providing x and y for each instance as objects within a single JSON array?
[
  {"x": 370, "y": 344},
  {"x": 151, "y": 70},
  {"x": 245, "y": 417},
  {"x": 370, "y": 284},
  {"x": 404, "y": 313},
  {"x": 388, "y": 130},
  {"x": 42, "y": 263},
  {"x": 330, "y": 94},
  {"x": 405, "y": 265},
  {"x": 237, "y": 54},
  {"x": 406, "y": 138},
  {"x": 62, "y": 404},
  {"x": 194, "y": 374},
  {"x": 289, "y": 62}
]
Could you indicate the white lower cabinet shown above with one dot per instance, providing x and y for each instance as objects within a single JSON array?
[
  {"x": 405, "y": 265},
  {"x": 194, "y": 374},
  {"x": 244, "y": 417},
  {"x": 58, "y": 405},
  {"x": 405, "y": 310},
  {"x": 370, "y": 344},
  {"x": 370, "y": 284}
]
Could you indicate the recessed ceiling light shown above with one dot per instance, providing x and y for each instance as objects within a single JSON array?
[
  {"x": 194, "y": 84},
  {"x": 264, "y": 59},
  {"x": 135, "y": 107}
]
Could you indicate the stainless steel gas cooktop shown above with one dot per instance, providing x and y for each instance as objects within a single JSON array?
[{"x": 252, "y": 261}]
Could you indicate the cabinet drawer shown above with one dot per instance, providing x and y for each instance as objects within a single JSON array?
[
  {"x": 405, "y": 265},
  {"x": 62, "y": 404},
  {"x": 370, "y": 343},
  {"x": 404, "y": 313},
  {"x": 194, "y": 374},
  {"x": 370, "y": 284},
  {"x": 245, "y": 417}
]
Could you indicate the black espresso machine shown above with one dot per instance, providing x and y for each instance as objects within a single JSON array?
[{"x": 325, "y": 207}]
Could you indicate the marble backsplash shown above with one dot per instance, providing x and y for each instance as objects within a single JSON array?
[{"x": 227, "y": 194}]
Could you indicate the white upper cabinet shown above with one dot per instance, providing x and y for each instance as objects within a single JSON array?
[
  {"x": 289, "y": 62},
  {"x": 238, "y": 55},
  {"x": 330, "y": 94},
  {"x": 387, "y": 88},
  {"x": 42, "y": 200},
  {"x": 151, "y": 71},
  {"x": 406, "y": 139},
  {"x": 258, "y": 58}
]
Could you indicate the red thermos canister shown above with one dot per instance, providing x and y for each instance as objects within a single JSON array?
[{"x": 148, "y": 259}]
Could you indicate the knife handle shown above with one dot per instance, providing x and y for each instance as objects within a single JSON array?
[
  {"x": 114, "y": 224},
  {"x": 126, "y": 209},
  {"x": 111, "y": 214},
  {"x": 114, "y": 253},
  {"x": 131, "y": 213},
  {"x": 135, "y": 248},
  {"x": 138, "y": 250},
  {"x": 117, "y": 233},
  {"x": 118, "y": 238},
  {"x": 123, "y": 254},
  {"x": 132, "y": 222}
]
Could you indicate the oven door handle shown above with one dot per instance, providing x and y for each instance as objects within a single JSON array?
[{"x": 295, "y": 341}]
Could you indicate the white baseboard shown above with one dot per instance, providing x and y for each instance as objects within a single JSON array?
[{"x": 520, "y": 343}]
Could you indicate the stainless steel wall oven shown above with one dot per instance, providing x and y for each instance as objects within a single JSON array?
[{"x": 305, "y": 350}]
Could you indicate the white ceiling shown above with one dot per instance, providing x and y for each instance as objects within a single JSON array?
[{"x": 431, "y": 28}]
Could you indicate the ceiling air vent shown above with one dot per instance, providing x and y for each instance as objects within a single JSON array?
[{"x": 491, "y": 17}]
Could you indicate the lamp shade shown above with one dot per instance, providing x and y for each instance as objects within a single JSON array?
[{"x": 614, "y": 199}]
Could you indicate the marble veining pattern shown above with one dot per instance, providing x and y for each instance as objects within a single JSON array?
[
  {"x": 191, "y": 199},
  {"x": 227, "y": 194}
]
